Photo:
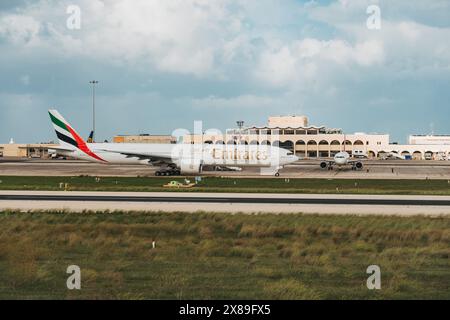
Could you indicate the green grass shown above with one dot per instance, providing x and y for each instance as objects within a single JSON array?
[
  {"x": 222, "y": 256},
  {"x": 217, "y": 184}
]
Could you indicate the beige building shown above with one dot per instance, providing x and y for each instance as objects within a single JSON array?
[
  {"x": 144, "y": 138},
  {"x": 294, "y": 133},
  {"x": 289, "y": 132},
  {"x": 438, "y": 139},
  {"x": 16, "y": 150}
]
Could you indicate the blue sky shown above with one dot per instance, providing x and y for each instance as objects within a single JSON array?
[{"x": 163, "y": 64}]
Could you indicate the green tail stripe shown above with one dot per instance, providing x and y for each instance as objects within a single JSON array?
[{"x": 58, "y": 122}]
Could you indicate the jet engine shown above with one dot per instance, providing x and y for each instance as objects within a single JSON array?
[
  {"x": 191, "y": 166},
  {"x": 358, "y": 165},
  {"x": 323, "y": 165}
]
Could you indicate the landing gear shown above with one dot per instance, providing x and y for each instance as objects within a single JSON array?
[
  {"x": 277, "y": 174},
  {"x": 168, "y": 172}
]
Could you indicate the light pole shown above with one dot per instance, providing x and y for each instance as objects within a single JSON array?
[{"x": 93, "y": 82}]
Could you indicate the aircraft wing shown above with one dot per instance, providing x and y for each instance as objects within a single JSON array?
[
  {"x": 351, "y": 161},
  {"x": 142, "y": 156},
  {"x": 59, "y": 148},
  {"x": 329, "y": 161}
]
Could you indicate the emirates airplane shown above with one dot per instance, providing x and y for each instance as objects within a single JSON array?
[{"x": 173, "y": 159}]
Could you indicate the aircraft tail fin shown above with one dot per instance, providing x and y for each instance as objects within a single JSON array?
[
  {"x": 68, "y": 137},
  {"x": 90, "y": 139}
]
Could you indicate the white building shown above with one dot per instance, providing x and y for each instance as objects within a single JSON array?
[{"x": 294, "y": 133}]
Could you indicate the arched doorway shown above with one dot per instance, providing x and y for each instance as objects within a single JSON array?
[
  {"x": 428, "y": 155},
  {"x": 324, "y": 147},
  {"x": 288, "y": 145},
  {"x": 382, "y": 154},
  {"x": 312, "y": 149},
  {"x": 347, "y": 146},
  {"x": 300, "y": 148},
  {"x": 406, "y": 154},
  {"x": 335, "y": 147},
  {"x": 417, "y": 155}
]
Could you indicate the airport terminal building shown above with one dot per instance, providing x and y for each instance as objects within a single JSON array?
[
  {"x": 26, "y": 150},
  {"x": 289, "y": 132},
  {"x": 309, "y": 141}
]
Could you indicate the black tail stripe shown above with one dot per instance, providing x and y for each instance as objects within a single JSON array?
[{"x": 66, "y": 139}]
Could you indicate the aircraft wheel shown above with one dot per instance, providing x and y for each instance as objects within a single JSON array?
[
  {"x": 157, "y": 173},
  {"x": 277, "y": 174}
]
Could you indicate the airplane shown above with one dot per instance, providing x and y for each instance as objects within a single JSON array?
[
  {"x": 90, "y": 139},
  {"x": 393, "y": 155},
  {"x": 173, "y": 159},
  {"x": 342, "y": 159}
]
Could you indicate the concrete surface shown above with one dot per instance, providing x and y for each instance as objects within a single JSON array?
[
  {"x": 232, "y": 206},
  {"x": 377, "y": 169}
]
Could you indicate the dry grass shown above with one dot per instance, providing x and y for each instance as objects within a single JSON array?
[{"x": 207, "y": 255}]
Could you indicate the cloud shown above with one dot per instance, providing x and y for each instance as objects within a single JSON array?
[
  {"x": 20, "y": 29},
  {"x": 226, "y": 59},
  {"x": 308, "y": 59},
  {"x": 186, "y": 36},
  {"x": 244, "y": 101}
]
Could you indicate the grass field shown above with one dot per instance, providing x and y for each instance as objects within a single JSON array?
[
  {"x": 217, "y": 184},
  {"x": 204, "y": 255}
]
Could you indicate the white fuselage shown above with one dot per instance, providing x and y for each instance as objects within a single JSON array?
[
  {"x": 207, "y": 154},
  {"x": 341, "y": 158}
]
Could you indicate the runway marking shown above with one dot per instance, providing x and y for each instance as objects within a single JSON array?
[{"x": 248, "y": 200}]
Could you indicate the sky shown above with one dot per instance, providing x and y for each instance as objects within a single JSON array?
[{"x": 161, "y": 65}]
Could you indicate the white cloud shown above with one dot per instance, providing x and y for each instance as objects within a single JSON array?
[
  {"x": 408, "y": 46},
  {"x": 172, "y": 35},
  {"x": 243, "y": 101},
  {"x": 302, "y": 60},
  {"x": 204, "y": 38},
  {"x": 20, "y": 29}
]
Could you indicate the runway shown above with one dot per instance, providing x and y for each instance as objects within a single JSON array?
[
  {"x": 226, "y": 202},
  {"x": 373, "y": 169},
  {"x": 272, "y": 199}
]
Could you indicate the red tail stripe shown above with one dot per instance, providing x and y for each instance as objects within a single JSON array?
[{"x": 82, "y": 145}]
